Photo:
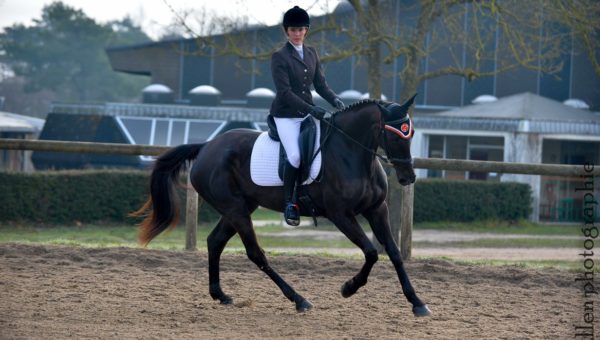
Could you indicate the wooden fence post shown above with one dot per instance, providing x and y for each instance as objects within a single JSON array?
[
  {"x": 191, "y": 215},
  {"x": 406, "y": 220}
]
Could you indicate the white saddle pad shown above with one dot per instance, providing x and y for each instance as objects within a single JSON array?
[{"x": 264, "y": 161}]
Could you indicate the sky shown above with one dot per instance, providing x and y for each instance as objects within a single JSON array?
[{"x": 155, "y": 15}]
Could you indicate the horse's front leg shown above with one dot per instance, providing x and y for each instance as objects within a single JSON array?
[
  {"x": 379, "y": 220},
  {"x": 351, "y": 228}
]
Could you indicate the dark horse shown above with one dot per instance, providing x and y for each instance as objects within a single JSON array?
[{"x": 352, "y": 182}]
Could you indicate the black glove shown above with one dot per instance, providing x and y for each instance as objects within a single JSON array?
[
  {"x": 338, "y": 103},
  {"x": 318, "y": 112}
]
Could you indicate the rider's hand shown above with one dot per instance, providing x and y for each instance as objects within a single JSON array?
[
  {"x": 338, "y": 103},
  {"x": 318, "y": 112}
]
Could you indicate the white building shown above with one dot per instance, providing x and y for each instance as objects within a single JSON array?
[
  {"x": 523, "y": 128},
  {"x": 13, "y": 125}
]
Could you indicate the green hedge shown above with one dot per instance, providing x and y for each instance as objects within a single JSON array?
[
  {"x": 80, "y": 195},
  {"x": 109, "y": 195},
  {"x": 464, "y": 201}
]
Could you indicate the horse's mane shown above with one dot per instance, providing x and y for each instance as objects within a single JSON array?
[{"x": 359, "y": 104}]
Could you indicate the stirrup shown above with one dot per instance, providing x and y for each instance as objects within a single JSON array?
[{"x": 292, "y": 214}]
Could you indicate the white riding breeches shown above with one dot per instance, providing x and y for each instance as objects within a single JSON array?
[{"x": 289, "y": 131}]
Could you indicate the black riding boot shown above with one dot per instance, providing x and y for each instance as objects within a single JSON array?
[{"x": 292, "y": 211}]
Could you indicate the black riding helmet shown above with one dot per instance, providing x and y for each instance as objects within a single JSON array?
[{"x": 295, "y": 17}]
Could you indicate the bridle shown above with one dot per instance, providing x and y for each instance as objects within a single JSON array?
[{"x": 404, "y": 129}]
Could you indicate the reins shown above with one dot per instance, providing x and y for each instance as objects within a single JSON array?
[{"x": 387, "y": 159}]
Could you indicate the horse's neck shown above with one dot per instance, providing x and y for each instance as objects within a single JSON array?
[{"x": 362, "y": 128}]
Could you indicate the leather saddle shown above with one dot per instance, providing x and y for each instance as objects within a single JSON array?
[{"x": 306, "y": 140}]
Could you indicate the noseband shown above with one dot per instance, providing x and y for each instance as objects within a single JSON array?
[{"x": 405, "y": 131}]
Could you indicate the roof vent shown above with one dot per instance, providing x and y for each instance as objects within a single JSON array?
[
  {"x": 205, "y": 89},
  {"x": 157, "y": 94},
  {"x": 577, "y": 103},
  {"x": 261, "y": 92},
  {"x": 260, "y": 97},
  {"x": 205, "y": 95},
  {"x": 350, "y": 94},
  {"x": 484, "y": 98}
]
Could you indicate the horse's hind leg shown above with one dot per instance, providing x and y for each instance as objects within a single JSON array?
[
  {"x": 379, "y": 221},
  {"x": 352, "y": 229},
  {"x": 216, "y": 242},
  {"x": 243, "y": 225}
]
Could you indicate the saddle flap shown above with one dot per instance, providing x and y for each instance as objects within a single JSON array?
[
  {"x": 265, "y": 160},
  {"x": 306, "y": 140}
]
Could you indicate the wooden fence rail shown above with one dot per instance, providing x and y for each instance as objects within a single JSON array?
[
  {"x": 562, "y": 170},
  {"x": 407, "y": 192}
]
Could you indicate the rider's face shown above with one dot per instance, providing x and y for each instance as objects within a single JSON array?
[{"x": 296, "y": 34}]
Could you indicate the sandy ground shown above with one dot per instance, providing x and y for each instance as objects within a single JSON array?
[
  {"x": 441, "y": 238},
  {"x": 488, "y": 254},
  {"x": 51, "y": 292}
]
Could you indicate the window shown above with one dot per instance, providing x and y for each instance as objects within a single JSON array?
[
  {"x": 168, "y": 131},
  {"x": 465, "y": 147},
  {"x": 436, "y": 150},
  {"x": 560, "y": 199},
  {"x": 261, "y": 126}
]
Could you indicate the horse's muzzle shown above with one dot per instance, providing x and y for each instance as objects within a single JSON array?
[
  {"x": 407, "y": 180},
  {"x": 406, "y": 176}
]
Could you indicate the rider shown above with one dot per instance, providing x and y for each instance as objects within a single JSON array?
[{"x": 295, "y": 67}]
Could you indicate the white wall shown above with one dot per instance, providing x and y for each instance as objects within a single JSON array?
[{"x": 525, "y": 148}]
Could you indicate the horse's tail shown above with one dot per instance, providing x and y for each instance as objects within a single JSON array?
[{"x": 163, "y": 201}]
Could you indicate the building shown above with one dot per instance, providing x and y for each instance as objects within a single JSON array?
[
  {"x": 17, "y": 126},
  {"x": 523, "y": 128},
  {"x": 149, "y": 124},
  {"x": 185, "y": 64}
]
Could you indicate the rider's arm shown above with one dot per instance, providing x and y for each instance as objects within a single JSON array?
[{"x": 320, "y": 83}]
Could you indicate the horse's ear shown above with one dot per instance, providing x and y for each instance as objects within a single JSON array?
[
  {"x": 402, "y": 110},
  {"x": 396, "y": 111}
]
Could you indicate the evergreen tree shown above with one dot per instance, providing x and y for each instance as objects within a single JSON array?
[{"x": 64, "y": 52}]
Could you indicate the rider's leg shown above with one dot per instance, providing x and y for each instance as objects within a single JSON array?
[
  {"x": 289, "y": 130},
  {"x": 292, "y": 211}
]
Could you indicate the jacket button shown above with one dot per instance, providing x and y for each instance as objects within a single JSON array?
[
  {"x": 305, "y": 70},
  {"x": 303, "y": 92}
]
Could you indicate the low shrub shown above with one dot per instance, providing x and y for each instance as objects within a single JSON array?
[
  {"x": 464, "y": 201},
  {"x": 78, "y": 196}
]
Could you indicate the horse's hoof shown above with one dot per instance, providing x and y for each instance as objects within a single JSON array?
[
  {"x": 348, "y": 289},
  {"x": 223, "y": 299},
  {"x": 226, "y": 300},
  {"x": 420, "y": 311},
  {"x": 303, "y": 306}
]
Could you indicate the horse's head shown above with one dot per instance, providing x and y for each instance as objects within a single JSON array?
[{"x": 395, "y": 139}]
